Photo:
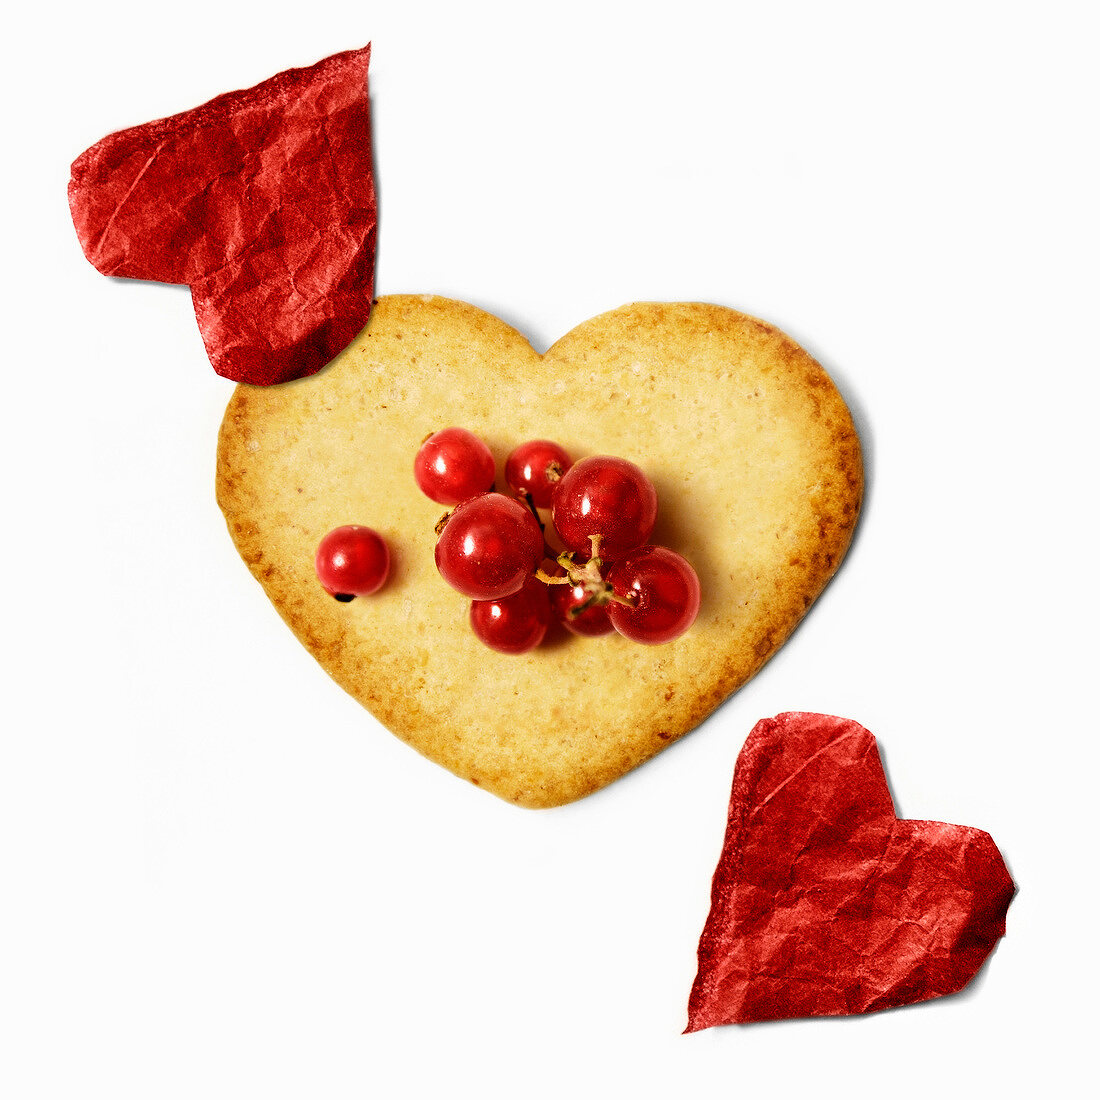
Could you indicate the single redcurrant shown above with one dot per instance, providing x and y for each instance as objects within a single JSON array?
[
  {"x": 352, "y": 561},
  {"x": 605, "y": 497},
  {"x": 662, "y": 591},
  {"x": 453, "y": 465},
  {"x": 535, "y": 468},
  {"x": 489, "y": 546},
  {"x": 516, "y": 623},
  {"x": 577, "y": 607}
]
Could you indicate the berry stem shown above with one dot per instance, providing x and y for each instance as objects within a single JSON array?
[
  {"x": 525, "y": 496},
  {"x": 547, "y": 579},
  {"x": 589, "y": 577}
]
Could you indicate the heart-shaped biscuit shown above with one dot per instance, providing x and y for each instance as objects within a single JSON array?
[{"x": 759, "y": 478}]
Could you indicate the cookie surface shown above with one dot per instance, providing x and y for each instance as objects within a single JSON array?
[{"x": 759, "y": 478}]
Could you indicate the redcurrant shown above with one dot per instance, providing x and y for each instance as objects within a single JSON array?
[
  {"x": 535, "y": 468},
  {"x": 489, "y": 546},
  {"x": 352, "y": 561},
  {"x": 607, "y": 497},
  {"x": 663, "y": 591},
  {"x": 453, "y": 465},
  {"x": 567, "y": 602},
  {"x": 515, "y": 623}
]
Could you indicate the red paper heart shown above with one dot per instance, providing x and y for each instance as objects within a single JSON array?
[
  {"x": 823, "y": 902},
  {"x": 262, "y": 201}
]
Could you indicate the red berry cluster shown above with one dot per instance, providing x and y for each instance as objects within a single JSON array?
[{"x": 492, "y": 548}]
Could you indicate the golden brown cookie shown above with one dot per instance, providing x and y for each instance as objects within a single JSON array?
[{"x": 759, "y": 477}]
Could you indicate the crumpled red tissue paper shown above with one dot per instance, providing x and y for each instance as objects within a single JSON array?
[
  {"x": 823, "y": 902},
  {"x": 262, "y": 201}
]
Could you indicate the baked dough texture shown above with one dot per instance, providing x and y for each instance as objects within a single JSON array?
[{"x": 759, "y": 477}]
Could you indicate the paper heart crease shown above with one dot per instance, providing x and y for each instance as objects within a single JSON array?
[
  {"x": 262, "y": 201},
  {"x": 823, "y": 902}
]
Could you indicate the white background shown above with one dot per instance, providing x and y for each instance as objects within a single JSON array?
[{"x": 221, "y": 878}]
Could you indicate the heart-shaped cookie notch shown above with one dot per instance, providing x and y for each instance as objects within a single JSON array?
[{"x": 758, "y": 472}]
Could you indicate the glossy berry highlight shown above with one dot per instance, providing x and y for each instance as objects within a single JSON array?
[
  {"x": 516, "y": 623},
  {"x": 577, "y": 609},
  {"x": 606, "y": 497},
  {"x": 454, "y": 465},
  {"x": 489, "y": 546},
  {"x": 662, "y": 591},
  {"x": 535, "y": 468},
  {"x": 352, "y": 561}
]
